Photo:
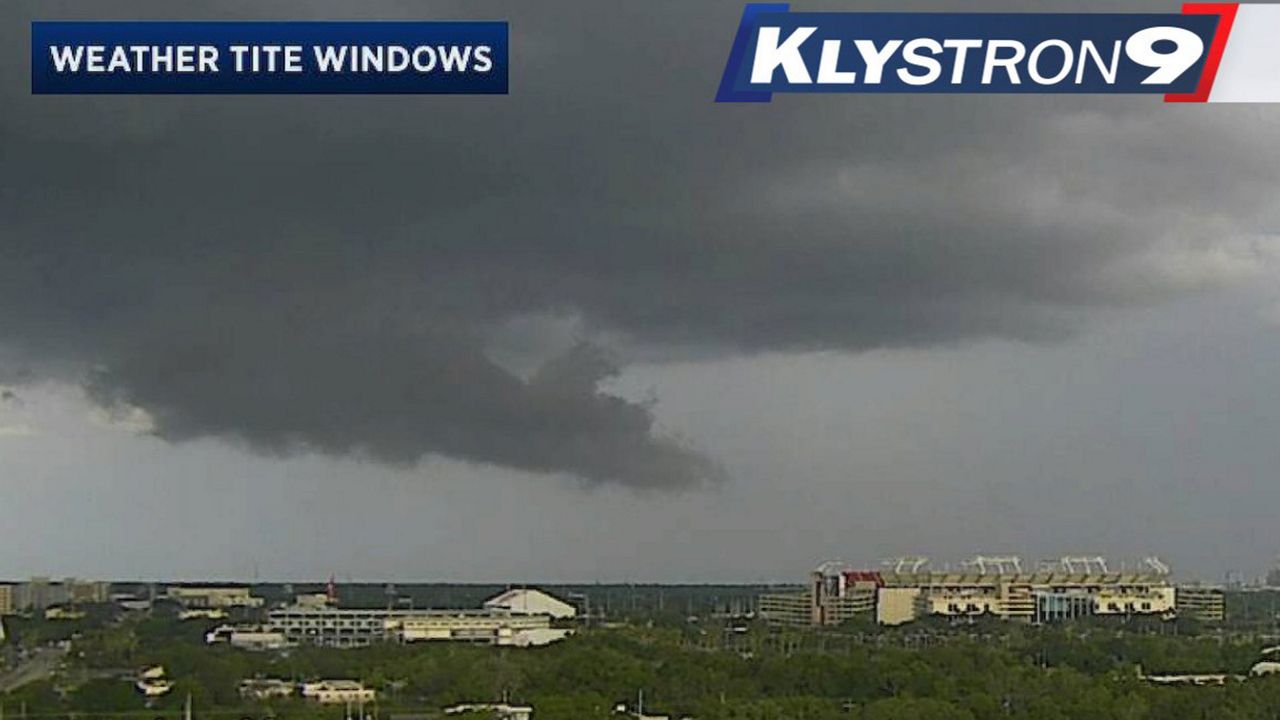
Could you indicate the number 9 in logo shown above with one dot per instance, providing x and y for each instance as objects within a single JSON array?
[{"x": 1188, "y": 47}]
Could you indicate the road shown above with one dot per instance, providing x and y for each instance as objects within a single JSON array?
[{"x": 38, "y": 666}]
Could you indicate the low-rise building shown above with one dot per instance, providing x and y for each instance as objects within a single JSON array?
[
  {"x": 62, "y": 612},
  {"x": 346, "y": 627},
  {"x": 502, "y": 711},
  {"x": 206, "y": 597},
  {"x": 203, "y": 614},
  {"x": 1191, "y": 679},
  {"x": 532, "y": 637},
  {"x": 265, "y": 689},
  {"x": 334, "y": 692},
  {"x": 1265, "y": 667},
  {"x": 131, "y": 603},
  {"x": 153, "y": 688},
  {"x": 330, "y": 627},
  {"x": 153, "y": 682},
  {"x": 248, "y": 637},
  {"x": 466, "y": 626}
]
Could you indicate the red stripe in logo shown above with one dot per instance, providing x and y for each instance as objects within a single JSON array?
[{"x": 1226, "y": 13}]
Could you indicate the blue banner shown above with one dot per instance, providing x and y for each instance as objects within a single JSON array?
[
  {"x": 269, "y": 57},
  {"x": 780, "y": 51}
]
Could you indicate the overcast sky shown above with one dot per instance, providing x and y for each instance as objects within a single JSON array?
[{"x": 605, "y": 329}]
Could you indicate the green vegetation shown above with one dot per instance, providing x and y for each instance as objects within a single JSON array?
[
  {"x": 706, "y": 671},
  {"x": 34, "y": 631}
]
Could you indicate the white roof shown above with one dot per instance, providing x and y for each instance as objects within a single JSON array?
[
  {"x": 528, "y": 600},
  {"x": 333, "y": 685},
  {"x": 499, "y": 707}
]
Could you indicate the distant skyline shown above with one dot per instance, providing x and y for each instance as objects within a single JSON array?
[{"x": 605, "y": 329}]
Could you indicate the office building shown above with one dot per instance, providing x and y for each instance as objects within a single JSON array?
[
  {"x": 1201, "y": 602},
  {"x": 87, "y": 592},
  {"x": 786, "y": 608},
  {"x": 38, "y": 594},
  {"x": 6, "y": 600},
  {"x": 329, "y": 626},
  {"x": 835, "y": 595}
]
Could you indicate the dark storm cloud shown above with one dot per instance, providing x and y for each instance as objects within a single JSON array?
[{"x": 335, "y": 274}]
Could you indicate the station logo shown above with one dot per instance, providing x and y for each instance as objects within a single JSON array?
[{"x": 1215, "y": 52}]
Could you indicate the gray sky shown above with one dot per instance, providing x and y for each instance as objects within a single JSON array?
[{"x": 604, "y": 329}]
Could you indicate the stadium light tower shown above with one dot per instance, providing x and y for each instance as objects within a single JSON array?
[{"x": 907, "y": 564}]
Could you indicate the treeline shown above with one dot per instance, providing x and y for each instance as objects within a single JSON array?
[{"x": 965, "y": 673}]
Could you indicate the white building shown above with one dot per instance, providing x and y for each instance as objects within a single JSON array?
[
  {"x": 531, "y": 602},
  {"x": 494, "y": 627},
  {"x": 152, "y": 682},
  {"x": 533, "y": 637},
  {"x": 205, "y": 614},
  {"x": 154, "y": 688},
  {"x": 345, "y": 627},
  {"x": 247, "y": 637},
  {"x": 1265, "y": 667},
  {"x": 332, "y": 692},
  {"x": 502, "y": 711},
  {"x": 265, "y": 689}
]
